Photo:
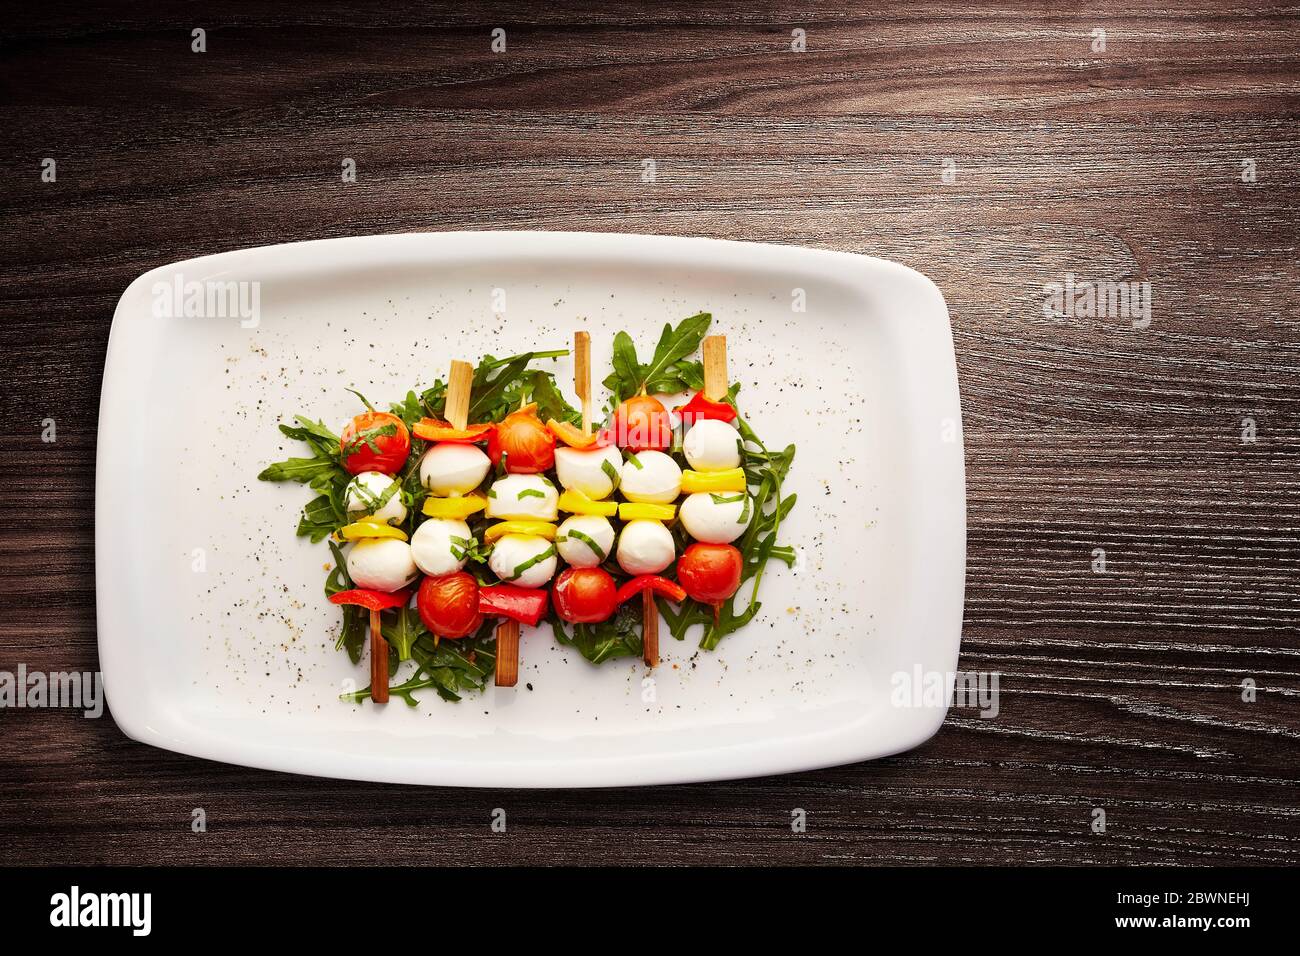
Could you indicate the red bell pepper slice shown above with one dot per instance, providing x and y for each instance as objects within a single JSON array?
[
  {"x": 431, "y": 429},
  {"x": 660, "y": 585},
  {"x": 525, "y": 605},
  {"x": 371, "y": 600},
  {"x": 701, "y": 407}
]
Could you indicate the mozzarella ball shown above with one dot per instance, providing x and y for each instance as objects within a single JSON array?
[
  {"x": 436, "y": 544},
  {"x": 453, "y": 469},
  {"x": 523, "y": 496},
  {"x": 714, "y": 521},
  {"x": 593, "y": 471},
  {"x": 514, "y": 550},
  {"x": 381, "y": 564},
  {"x": 577, "y": 534},
  {"x": 651, "y": 476},
  {"x": 712, "y": 445},
  {"x": 366, "y": 490},
  {"x": 645, "y": 547}
]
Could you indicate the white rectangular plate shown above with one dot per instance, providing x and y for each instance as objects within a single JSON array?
[{"x": 214, "y": 635}]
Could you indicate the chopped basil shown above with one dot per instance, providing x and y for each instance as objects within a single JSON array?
[
  {"x": 373, "y": 502},
  {"x": 724, "y": 500},
  {"x": 492, "y": 492},
  {"x": 535, "y": 559},
  {"x": 610, "y": 471},
  {"x": 367, "y": 439},
  {"x": 530, "y": 493},
  {"x": 587, "y": 540},
  {"x": 635, "y": 461}
]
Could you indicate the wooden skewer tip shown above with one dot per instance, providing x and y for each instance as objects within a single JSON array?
[{"x": 507, "y": 665}]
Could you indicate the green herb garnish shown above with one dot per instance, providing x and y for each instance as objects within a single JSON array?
[
  {"x": 610, "y": 471},
  {"x": 588, "y": 541},
  {"x": 669, "y": 370},
  {"x": 535, "y": 559}
]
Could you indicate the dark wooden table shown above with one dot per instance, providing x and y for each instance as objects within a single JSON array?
[{"x": 1120, "y": 691}]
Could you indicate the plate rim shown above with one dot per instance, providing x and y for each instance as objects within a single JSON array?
[{"x": 132, "y": 712}]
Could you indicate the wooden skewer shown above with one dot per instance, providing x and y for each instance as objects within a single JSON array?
[
  {"x": 582, "y": 375},
  {"x": 507, "y": 670},
  {"x": 649, "y": 628},
  {"x": 378, "y": 661},
  {"x": 459, "y": 383},
  {"x": 715, "y": 368}
]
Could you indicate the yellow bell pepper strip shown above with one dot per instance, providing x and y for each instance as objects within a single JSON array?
[
  {"x": 575, "y": 502},
  {"x": 540, "y": 529},
  {"x": 458, "y": 508},
  {"x": 729, "y": 479},
  {"x": 370, "y": 529},
  {"x": 631, "y": 510}
]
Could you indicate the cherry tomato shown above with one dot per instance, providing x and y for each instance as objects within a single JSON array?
[
  {"x": 375, "y": 441},
  {"x": 710, "y": 572},
  {"x": 585, "y": 595},
  {"x": 529, "y": 446},
  {"x": 642, "y": 424},
  {"x": 448, "y": 604}
]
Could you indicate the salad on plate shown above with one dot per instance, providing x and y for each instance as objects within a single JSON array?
[{"x": 487, "y": 504}]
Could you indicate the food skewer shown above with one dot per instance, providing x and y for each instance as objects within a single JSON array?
[
  {"x": 378, "y": 660},
  {"x": 649, "y": 629},
  {"x": 460, "y": 380},
  {"x": 715, "y": 367},
  {"x": 373, "y": 447},
  {"x": 582, "y": 376},
  {"x": 507, "y": 662},
  {"x": 459, "y": 384},
  {"x": 717, "y": 508},
  {"x": 524, "y": 555},
  {"x": 507, "y": 668},
  {"x": 715, "y": 389}
]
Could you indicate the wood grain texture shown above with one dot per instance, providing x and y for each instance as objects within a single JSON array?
[{"x": 1119, "y": 690}]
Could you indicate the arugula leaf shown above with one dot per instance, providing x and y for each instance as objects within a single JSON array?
[
  {"x": 627, "y": 377},
  {"x": 448, "y": 667},
  {"x": 299, "y": 469},
  {"x": 669, "y": 370},
  {"x": 403, "y": 631},
  {"x": 620, "y": 636},
  {"x": 319, "y": 519},
  {"x": 356, "y": 625},
  {"x": 408, "y": 410},
  {"x": 488, "y": 390},
  {"x": 499, "y": 384},
  {"x": 550, "y": 401}
]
